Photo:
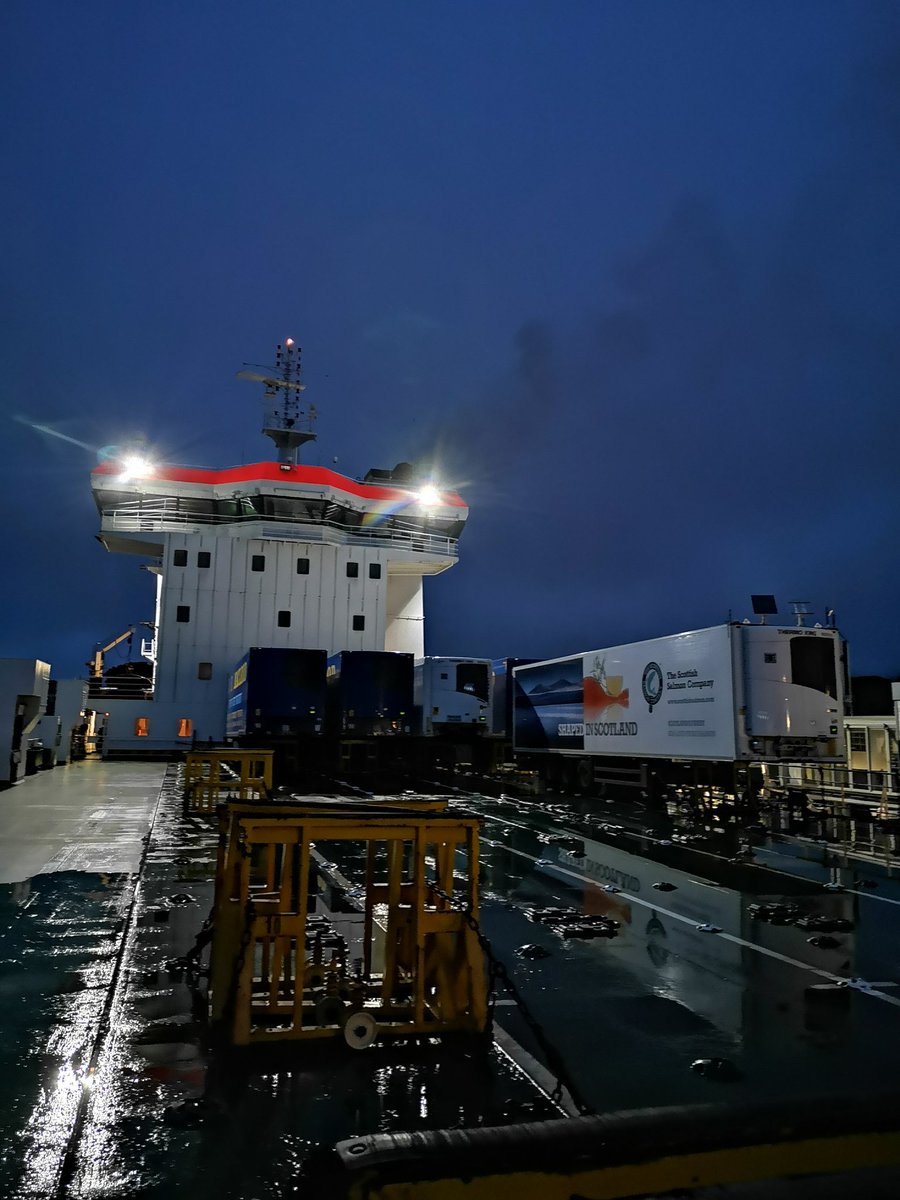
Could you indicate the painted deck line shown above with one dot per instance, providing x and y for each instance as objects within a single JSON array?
[
  {"x": 866, "y": 893},
  {"x": 870, "y": 858},
  {"x": 542, "y": 1079},
  {"x": 792, "y": 962},
  {"x": 870, "y": 896}
]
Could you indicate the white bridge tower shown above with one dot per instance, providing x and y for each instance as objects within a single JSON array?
[{"x": 269, "y": 554}]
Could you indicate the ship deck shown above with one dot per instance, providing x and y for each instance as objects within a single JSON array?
[{"x": 110, "y": 1089}]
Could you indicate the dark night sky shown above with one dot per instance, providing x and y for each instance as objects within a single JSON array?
[{"x": 629, "y": 271}]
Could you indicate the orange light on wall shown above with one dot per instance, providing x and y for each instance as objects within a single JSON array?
[
  {"x": 142, "y": 727},
  {"x": 185, "y": 727}
]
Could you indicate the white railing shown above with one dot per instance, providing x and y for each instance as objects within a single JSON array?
[
  {"x": 129, "y": 688},
  {"x": 161, "y": 516}
]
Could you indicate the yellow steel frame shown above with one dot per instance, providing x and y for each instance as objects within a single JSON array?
[
  {"x": 211, "y": 774},
  {"x": 264, "y": 984}
]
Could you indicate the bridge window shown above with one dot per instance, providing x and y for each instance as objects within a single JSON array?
[
  {"x": 257, "y": 562},
  {"x": 352, "y": 570},
  {"x": 204, "y": 670},
  {"x": 359, "y": 624},
  {"x": 374, "y": 570},
  {"x": 237, "y": 507},
  {"x": 302, "y": 566},
  {"x": 183, "y": 613},
  {"x": 179, "y": 558},
  {"x": 204, "y": 558},
  {"x": 193, "y": 506},
  {"x": 284, "y": 618}
]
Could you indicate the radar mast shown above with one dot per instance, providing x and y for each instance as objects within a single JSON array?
[{"x": 285, "y": 421}]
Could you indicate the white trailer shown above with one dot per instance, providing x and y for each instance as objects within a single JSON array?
[
  {"x": 451, "y": 693},
  {"x": 24, "y": 683},
  {"x": 735, "y": 693}
]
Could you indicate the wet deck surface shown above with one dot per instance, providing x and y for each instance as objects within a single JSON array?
[
  {"x": 109, "y": 1089},
  {"x": 87, "y": 816},
  {"x": 633, "y": 1014}
]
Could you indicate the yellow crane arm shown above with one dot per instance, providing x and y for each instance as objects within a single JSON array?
[{"x": 96, "y": 663}]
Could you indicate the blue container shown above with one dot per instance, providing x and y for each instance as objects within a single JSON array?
[
  {"x": 276, "y": 693},
  {"x": 370, "y": 693}
]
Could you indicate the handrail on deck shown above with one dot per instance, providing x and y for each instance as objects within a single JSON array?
[{"x": 159, "y": 518}]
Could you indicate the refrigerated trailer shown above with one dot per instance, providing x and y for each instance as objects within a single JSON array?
[
  {"x": 452, "y": 694},
  {"x": 735, "y": 693},
  {"x": 24, "y": 684}
]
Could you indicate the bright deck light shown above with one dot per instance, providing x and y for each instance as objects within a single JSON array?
[
  {"x": 428, "y": 496},
  {"x": 136, "y": 467}
]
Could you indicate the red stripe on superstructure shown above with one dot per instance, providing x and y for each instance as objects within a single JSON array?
[{"x": 311, "y": 476}]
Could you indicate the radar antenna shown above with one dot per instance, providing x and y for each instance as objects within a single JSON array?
[{"x": 285, "y": 422}]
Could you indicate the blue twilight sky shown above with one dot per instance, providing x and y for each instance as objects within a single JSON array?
[{"x": 627, "y": 270}]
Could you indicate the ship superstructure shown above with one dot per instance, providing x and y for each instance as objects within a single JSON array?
[{"x": 275, "y": 554}]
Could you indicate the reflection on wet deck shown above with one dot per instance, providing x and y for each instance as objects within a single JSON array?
[{"x": 769, "y": 946}]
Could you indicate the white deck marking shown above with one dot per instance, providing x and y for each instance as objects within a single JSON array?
[
  {"x": 870, "y": 895},
  {"x": 793, "y": 962},
  {"x": 835, "y": 849}
]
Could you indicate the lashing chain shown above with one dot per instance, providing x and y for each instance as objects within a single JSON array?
[{"x": 497, "y": 972}]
